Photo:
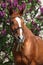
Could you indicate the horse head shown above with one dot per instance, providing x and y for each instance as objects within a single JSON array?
[{"x": 17, "y": 26}]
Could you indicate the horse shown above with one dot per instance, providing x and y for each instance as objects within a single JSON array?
[{"x": 28, "y": 48}]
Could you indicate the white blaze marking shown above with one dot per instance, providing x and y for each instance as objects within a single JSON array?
[{"x": 19, "y": 22}]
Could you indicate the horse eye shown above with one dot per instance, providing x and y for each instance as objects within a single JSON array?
[{"x": 12, "y": 23}]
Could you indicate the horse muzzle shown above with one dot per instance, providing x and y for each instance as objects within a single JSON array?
[{"x": 21, "y": 39}]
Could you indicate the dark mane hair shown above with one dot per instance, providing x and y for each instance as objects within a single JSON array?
[{"x": 10, "y": 11}]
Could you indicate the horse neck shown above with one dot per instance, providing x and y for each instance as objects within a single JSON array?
[{"x": 27, "y": 32}]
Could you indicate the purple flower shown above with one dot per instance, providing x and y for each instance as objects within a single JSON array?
[
  {"x": 23, "y": 5},
  {"x": 11, "y": 5},
  {"x": 41, "y": 9},
  {"x": 15, "y": 3},
  {"x": 3, "y": 5},
  {"x": 9, "y": 1},
  {"x": 38, "y": 1},
  {"x": 2, "y": 13},
  {"x": 20, "y": 7},
  {"x": 30, "y": 9},
  {"x": 29, "y": 1},
  {"x": 8, "y": 21},
  {"x": 3, "y": 32},
  {"x": 38, "y": 28},
  {"x": 34, "y": 24},
  {"x": 15, "y": 0}
]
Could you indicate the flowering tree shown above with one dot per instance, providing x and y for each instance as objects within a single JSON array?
[{"x": 32, "y": 14}]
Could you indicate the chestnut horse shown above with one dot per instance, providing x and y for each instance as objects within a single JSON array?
[{"x": 28, "y": 48}]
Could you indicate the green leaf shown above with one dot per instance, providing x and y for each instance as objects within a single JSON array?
[
  {"x": 1, "y": 9},
  {"x": 11, "y": 55},
  {"x": 26, "y": 0},
  {"x": 28, "y": 6},
  {"x": 29, "y": 25}
]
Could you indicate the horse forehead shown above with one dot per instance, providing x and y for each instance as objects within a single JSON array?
[{"x": 18, "y": 21}]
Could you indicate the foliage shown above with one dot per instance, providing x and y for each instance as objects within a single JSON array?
[{"x": 30, "y": 8}]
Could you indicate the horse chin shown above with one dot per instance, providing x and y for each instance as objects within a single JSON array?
[{"x": 21, "y": 40}]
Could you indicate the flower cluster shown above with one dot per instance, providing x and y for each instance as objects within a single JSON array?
[
  {"x": 3, "y": 5},
  {"x": 16, "y": 5},
  {"x": 21, "y": 7},
  {"x": 2, "y": 14}
]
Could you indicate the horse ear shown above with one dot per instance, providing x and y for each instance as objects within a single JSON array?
[
  {"x": 10, "y": 11},
  {"x": 21, "y": 13}
]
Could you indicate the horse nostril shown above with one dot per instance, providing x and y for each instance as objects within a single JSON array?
[{"x": 18, "y": 37}]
